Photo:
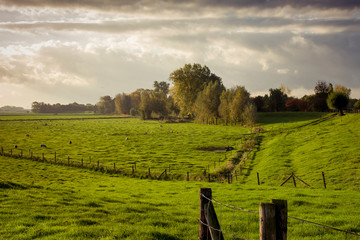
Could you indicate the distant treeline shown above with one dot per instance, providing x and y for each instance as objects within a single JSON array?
[
  {"x": 199, "y": 94},
  {"x": 41, "y": 107},
  {"x": 13, "y": 109}
]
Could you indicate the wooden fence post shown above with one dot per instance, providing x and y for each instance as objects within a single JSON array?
[
  {"x": 294, "y": 179},
  {"x": 209, "y": 224},
  {"x": 323, "y": 177},
  {"x": 204, "y": 232},
  {"x": 55, "y": 157},
  {"x": 82, "y": 162},
  {"x": 132, "y": 167},
  {"x": 258, "y": 178},
  {"x": 281, "y": 218},
  {"x": 43, "y": 157},
  {"x": 149, "y": 175},
  {"x": 114, "y": 166},
  {"x": 187, "y": 177},
  {"x": 267, "y": 221}
]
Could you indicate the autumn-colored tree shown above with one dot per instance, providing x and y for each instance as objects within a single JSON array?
[
  {"x": 296, "y": 105},
  {"x": 343, "y": 89},
  {"x": 105, "y": 105},
  {"x": 208, "y": 101},
  {"x": 188, "y": 81},
  {"x": 122, "y": 103}
]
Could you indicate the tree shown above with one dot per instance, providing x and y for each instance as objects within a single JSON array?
[
  {"x": 153, "y": 102},
  {"x": 208, "y": 101},
  {"x": 277, "y": 100},
  {"x": 338, "y": 101},
  {"x": 296, "y": 105},
  {"x": 122, "y": 103},
  {"x": 240, "y": 100},
  {"x": 188, "y": 82},
  {"x": 343, "y": 89},
  {"x": 357, "y": 105},
  {"x": 161, "y": 87},
  {"x": 249, "y": 114},
  {"x": 232, "y": 104},
  {"x": 106, "y": 105},
  {"x": 321, "y": 87}
]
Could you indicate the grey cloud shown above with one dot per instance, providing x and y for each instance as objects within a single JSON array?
[{"x": 147, "y": 4}]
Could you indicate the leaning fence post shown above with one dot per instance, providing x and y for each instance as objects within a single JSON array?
[
  {"x": 323, "y": 177},
  {"x": 204, "y": 232},
  {"x": 209, "y": 227},
  {"x": 267, "y": 221},
  {"x": 258, "y": 178},
  {"x": 281, "y": 218}
]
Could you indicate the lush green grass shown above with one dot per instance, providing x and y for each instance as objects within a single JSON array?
[
  {"x": 104, "y": 140},
  {"x": 330, "y": 146},
  {"x": 39, "y": 200}
]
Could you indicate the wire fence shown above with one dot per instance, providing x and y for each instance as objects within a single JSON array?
[{"x": 235, "y": 225}]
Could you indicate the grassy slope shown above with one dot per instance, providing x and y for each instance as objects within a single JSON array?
[
  {"x": 331, "y": 146},
  {"x": 56, "y": 202}
]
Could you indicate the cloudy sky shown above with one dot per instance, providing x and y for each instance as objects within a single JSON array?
[{"x": 78, "y": 50}]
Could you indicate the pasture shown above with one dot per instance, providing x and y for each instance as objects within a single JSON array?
[
  {"x": 150, "y": 144},
  {"x": 42, "y": 200}
]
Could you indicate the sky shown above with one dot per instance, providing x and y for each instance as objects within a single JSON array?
[{"x": 65, "y": 51}]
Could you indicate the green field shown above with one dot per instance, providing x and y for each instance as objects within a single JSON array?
[{"x": 47, "y": 201}]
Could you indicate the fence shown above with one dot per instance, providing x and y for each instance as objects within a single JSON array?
[{"x": 272, "y": 218}]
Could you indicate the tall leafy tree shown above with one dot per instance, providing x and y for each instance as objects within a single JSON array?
[
  {"x": 208, "y": 101},
  {"x": 122, "y": 103},
  {"x": 188, "y": 81}
]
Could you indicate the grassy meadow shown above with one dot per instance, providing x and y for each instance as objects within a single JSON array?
[{"x": 47, "y": 201}]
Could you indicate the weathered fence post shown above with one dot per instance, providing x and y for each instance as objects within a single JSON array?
[
  {"x": 82, "y": 162},
  {"x": 149, "y": 175},
  {"x": 204, "y": 232},
  {"x": 209, "y": 177},
  {"x": 258, "y": 178},
  {"x": 132, "y": 171},
  {"x": 323, "y": 177},
  {"x": 55, "y": 157},
  {"x": 281, "y": 218},
  {"x": 209, "y": 227},
  {"x": 267, "y": 221},
  {"x": 43, "y": 157}
]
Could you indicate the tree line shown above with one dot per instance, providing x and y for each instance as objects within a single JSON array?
[
  {"x": 199, "y": 94},
  {"x": 326, "y": 97},
  {"x": 41, "y": 107}
]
